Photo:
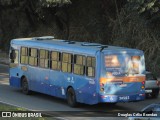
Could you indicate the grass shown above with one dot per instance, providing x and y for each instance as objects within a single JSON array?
[{"x": 5, "y": 107}]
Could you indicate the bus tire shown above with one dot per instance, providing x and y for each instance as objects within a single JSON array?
[
  {"x": 25, "y": 88},
  {"x": 71, "y": 97}
]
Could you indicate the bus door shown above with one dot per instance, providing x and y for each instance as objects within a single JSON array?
[
  {"x": 93, "y": 65},
  {"x": 14, "y": 66},
  {"x": 64, "y": 78},
  {"x": 56, "y": 77},
  {"x": 44, "y": 80},
  {"x": 38, "y": 73},
  {"x": 85, "y": 78},
  {"x": 44, "y": 71}
]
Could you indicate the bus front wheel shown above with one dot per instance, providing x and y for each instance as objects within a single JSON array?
[
  {"x": 25, "y": 88},
  {"x": 71, "y": 97}
]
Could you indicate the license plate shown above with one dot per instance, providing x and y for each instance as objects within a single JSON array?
[
  {"x": 148, "y": 91},
  {"x": 124, "y": 98}
]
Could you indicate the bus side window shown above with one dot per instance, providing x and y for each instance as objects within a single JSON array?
[
  {"x": 14, "y": 56},
  {"x": 33, "y": 56},
  {"x": 55, "y": 60},
  {"x": 91, "y": 62},
  {"x": 44, "y": 58},
  {"x": 24, "y": 55},
  {"x": 79, "y": 64},
  {"x": 67, "y": 62}
]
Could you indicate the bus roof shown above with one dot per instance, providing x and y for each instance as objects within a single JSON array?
[{"x": 65, "y": 45}]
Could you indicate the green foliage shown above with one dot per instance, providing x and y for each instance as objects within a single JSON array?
[
  {"x": 130, "y": 23},
  {"x": 45, "y": 3},
  {"x": 141, "y": 30},
  {"x": 147, "y": 8},
  {"x": 53, "y": 3},
  {"x": 145, "y": 5},
  {"x": 5, "y": 2}
]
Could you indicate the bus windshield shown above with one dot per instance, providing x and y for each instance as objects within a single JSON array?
[{"x": 122, "y": 64}]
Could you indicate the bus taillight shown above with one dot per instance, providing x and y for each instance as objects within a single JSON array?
[
  {"x": 101, "y": 87},
  {"x": 101, "y": 84},
  {"x": 143, "y": 82}
]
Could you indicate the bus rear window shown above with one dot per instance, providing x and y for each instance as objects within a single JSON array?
[
  {"x": 135, "y": 58},
  {"x": 135, "y": 64},
  {"x": 112, "y": 61}
]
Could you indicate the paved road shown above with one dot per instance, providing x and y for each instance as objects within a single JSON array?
[{"x": 42, "y": 102}]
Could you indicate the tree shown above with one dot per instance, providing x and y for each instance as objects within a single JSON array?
[
  {"x": 138, "y": 26},
  {"x": 53, "y": 3},
  {"x": 149, "y": 9},
  {"x": 20, "y": 18}
]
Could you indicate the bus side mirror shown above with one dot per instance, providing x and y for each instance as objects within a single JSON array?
[{"x": 12, "y": 55}]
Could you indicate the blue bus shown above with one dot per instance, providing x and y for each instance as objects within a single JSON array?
[{"x": 80, "y": 72}]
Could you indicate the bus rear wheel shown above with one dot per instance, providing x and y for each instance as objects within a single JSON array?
[
  {"x": 25, "y": 88},
  {"x": 71, "y": 97}
]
